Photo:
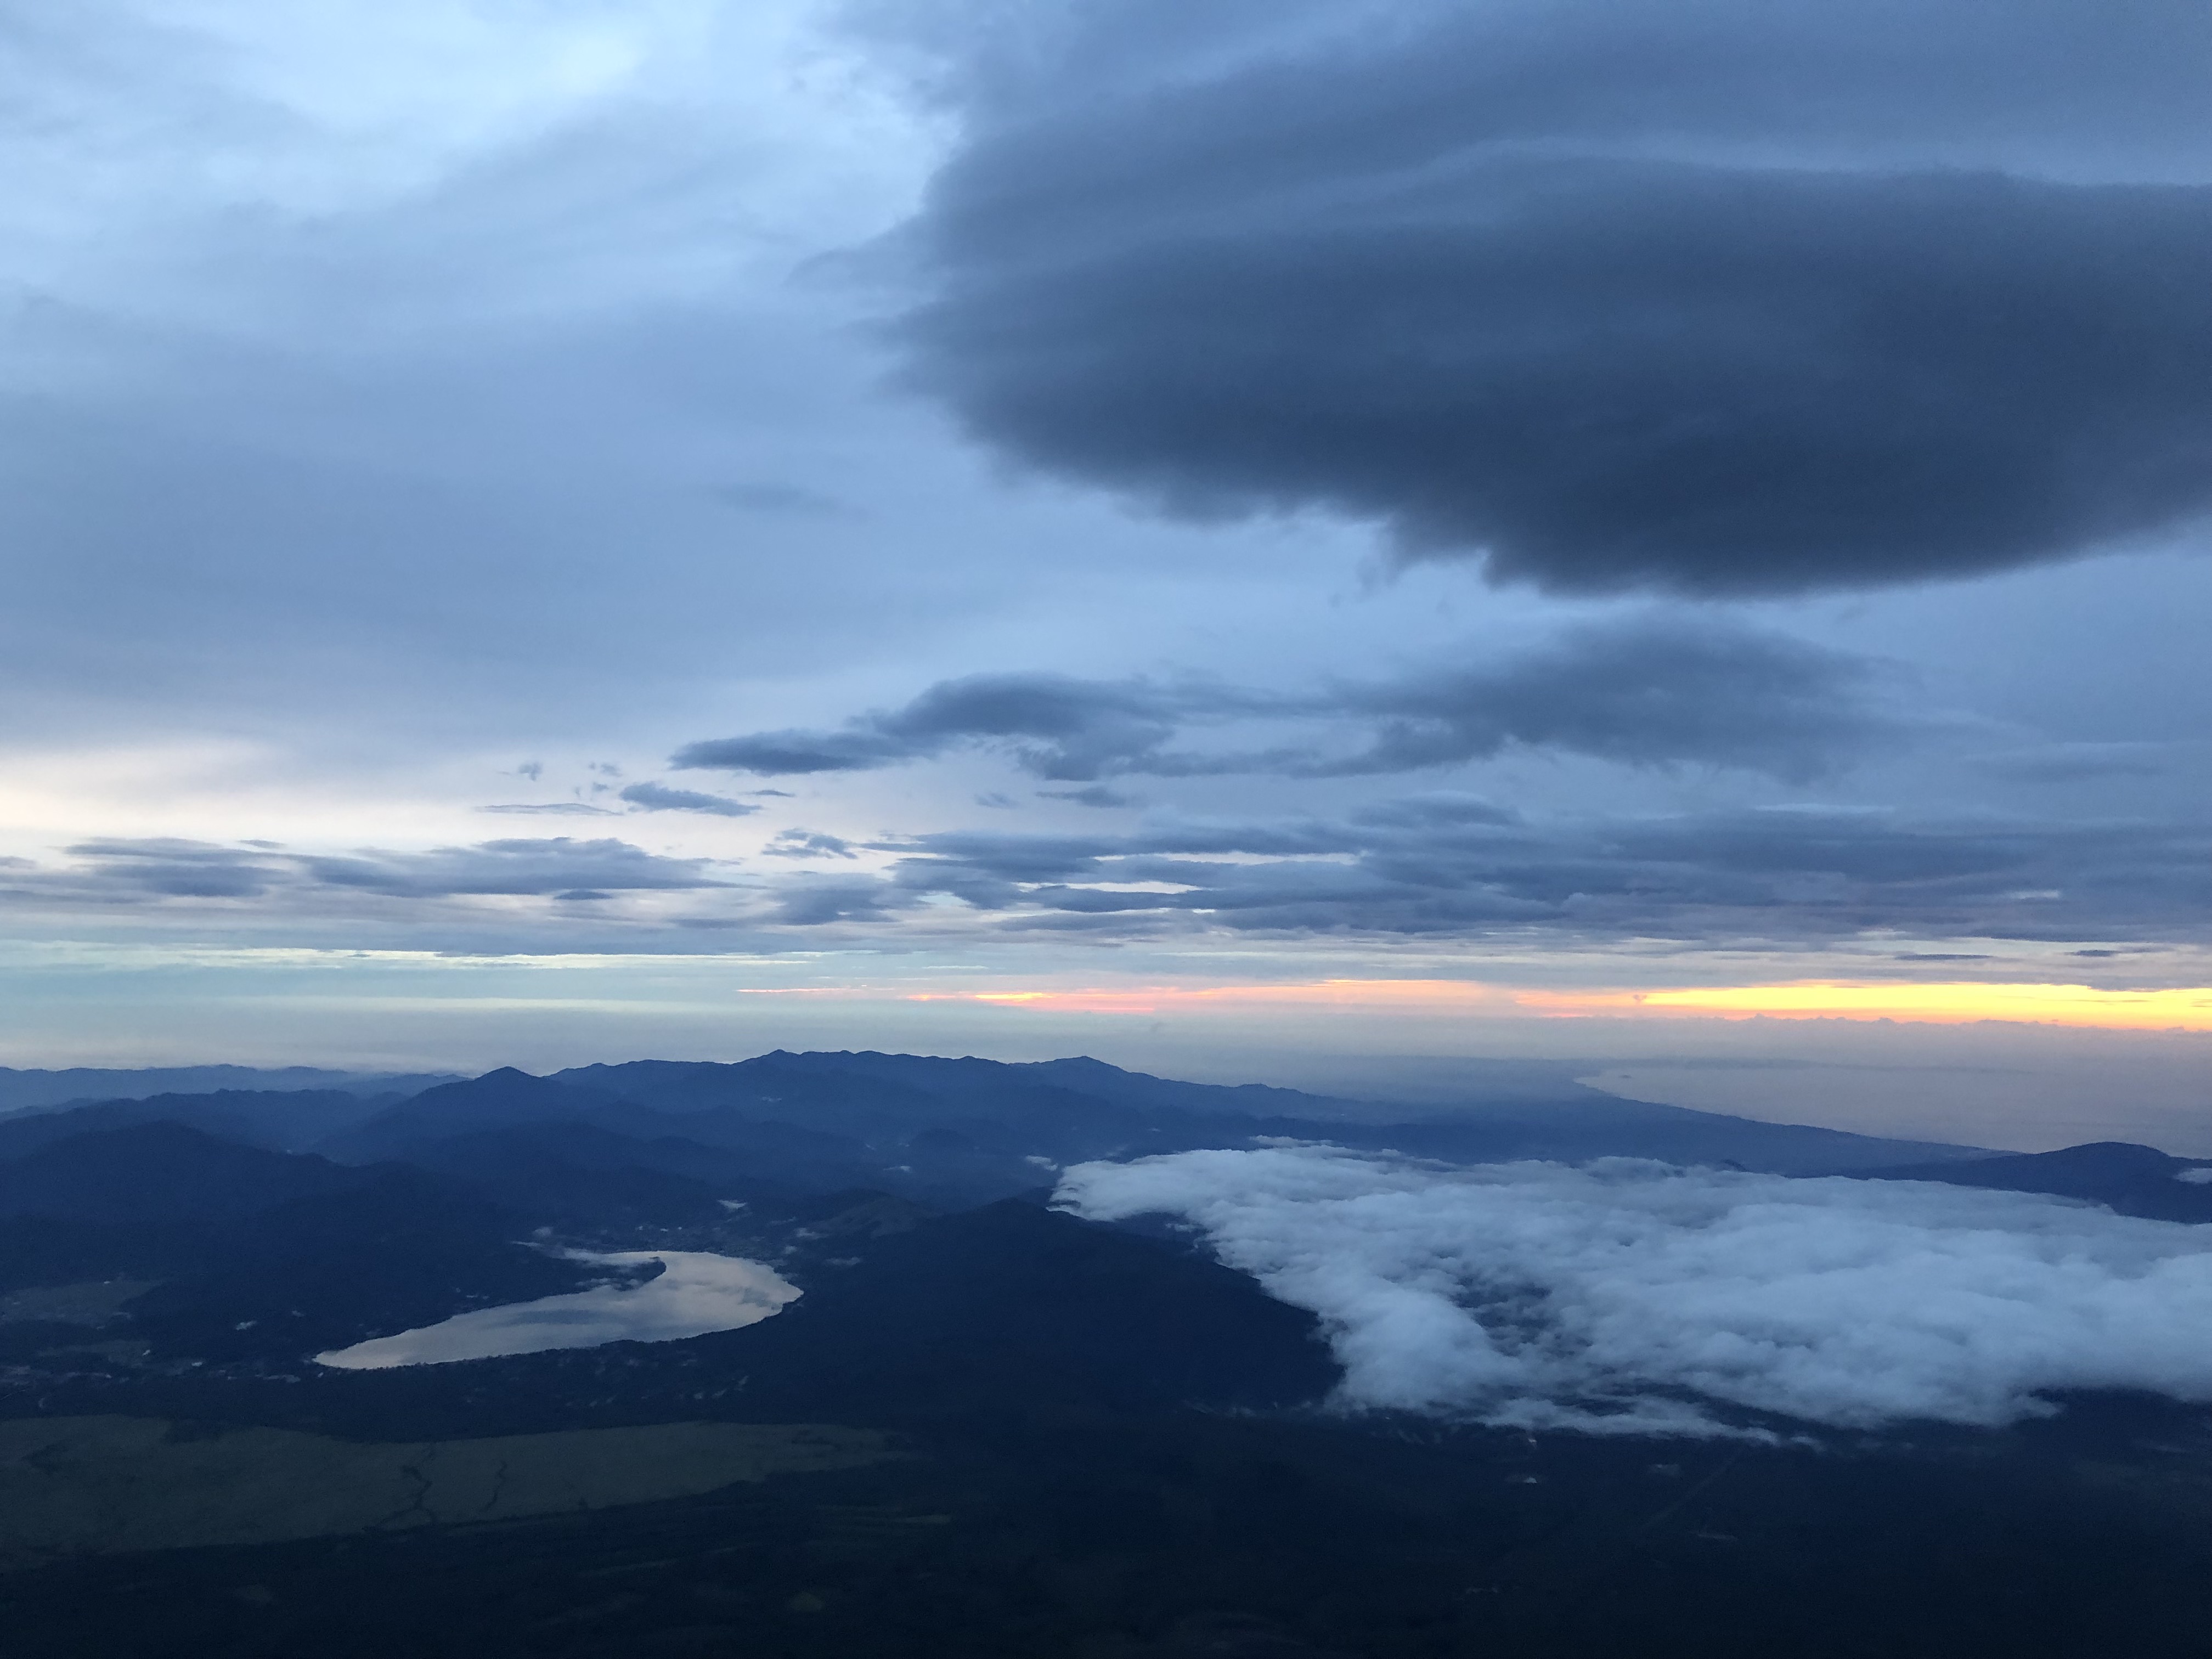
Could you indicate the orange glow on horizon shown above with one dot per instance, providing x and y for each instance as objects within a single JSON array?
[
  {"x": 1382, "y": 995},
  {"x": 1949, "y": 1003},
  {"x": 1953, "y": 1002}
]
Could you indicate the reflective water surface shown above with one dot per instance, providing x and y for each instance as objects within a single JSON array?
[{"x": 698, "y": 1293}]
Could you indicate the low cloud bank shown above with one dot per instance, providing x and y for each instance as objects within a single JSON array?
[{"x": 1633, "y": 1297}]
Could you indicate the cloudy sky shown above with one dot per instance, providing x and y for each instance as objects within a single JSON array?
[{"x": 1259, "y": 539}]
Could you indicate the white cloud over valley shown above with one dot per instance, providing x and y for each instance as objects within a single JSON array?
[{"x": 1631, "y": 1296}]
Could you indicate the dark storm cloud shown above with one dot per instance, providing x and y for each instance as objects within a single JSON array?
[
  {"x": 1654, "y": 691},
  {"x": 1455, "y": 865},
  {"x": 659, "y": 798},
  {"x": 1714, "y": 298}
]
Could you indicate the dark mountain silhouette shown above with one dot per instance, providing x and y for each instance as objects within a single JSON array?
[
  {"x": 42, "y": 1090},
  {"x": 1086, "y": 1103},
  {"x": 282, "y": 1121},
  {"x": 150, "y": 1172},
  {"x": 2130, "y": 1179},
  {"x": 1095, "y": 1077},
  {"x": 477, "y": 1128},
  {"x": 1067, "y": 1110},
  {"x": 954, "y": 1133},
  {"x": 399, "y": 1248},
  {"x": 421, "y": 1210},
  {"x": 498, "y": 1099},
  {"x": 1014, "y": 1303},
  {"x": 49, "y": 1250},
  {"x": 1101, "y": 1442},
  {"x": 1576, "y": 1131},
  {"x": 574, "y": 1171},
  {"x": 263, "y": 1252}
]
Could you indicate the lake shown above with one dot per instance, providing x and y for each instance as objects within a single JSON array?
[{"x": 697, "y": 1292}]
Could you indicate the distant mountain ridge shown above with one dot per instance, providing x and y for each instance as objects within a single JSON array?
[
  {"x": 280, "y": 1119},
  {"x": 956, "y": 1133},
  {"x": 1082, "y": 1106},
  {"x": 1113, "y": 1401},
  {"x": 39, "y": 1090},
  {"x": 275, "y": 1218},
  {"x": 2123, "y": 1176},
  {"x": 273, "y": 1214},
  {"x": 152, "y": 1172},
  {"x": 240, "y": 1251},
  {"x": 1133, "y": 1108}
]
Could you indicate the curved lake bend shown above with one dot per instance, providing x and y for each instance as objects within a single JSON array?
[{"x": 697, "y": 1292}]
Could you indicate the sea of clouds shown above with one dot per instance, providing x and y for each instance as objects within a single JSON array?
[{"x": 1632, "y": 1296}]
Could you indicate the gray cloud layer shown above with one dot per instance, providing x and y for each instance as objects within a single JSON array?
[
  {"x": 1632, "y": 1298},
  {"x": 118, "y": 870},
  {"x": 1714, "y": 298},
  {"x": 1441, "y": 866},
  {"x": 1449, "y": 865},
  {"x": 659, "y": 798},
  {"x": 1659, "y": 690}
]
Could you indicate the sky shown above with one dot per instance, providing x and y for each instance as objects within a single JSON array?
[{"x": 1300, "y": 541}]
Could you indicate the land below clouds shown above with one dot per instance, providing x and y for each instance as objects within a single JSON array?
[{"x": 1106, "y": 1437}]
